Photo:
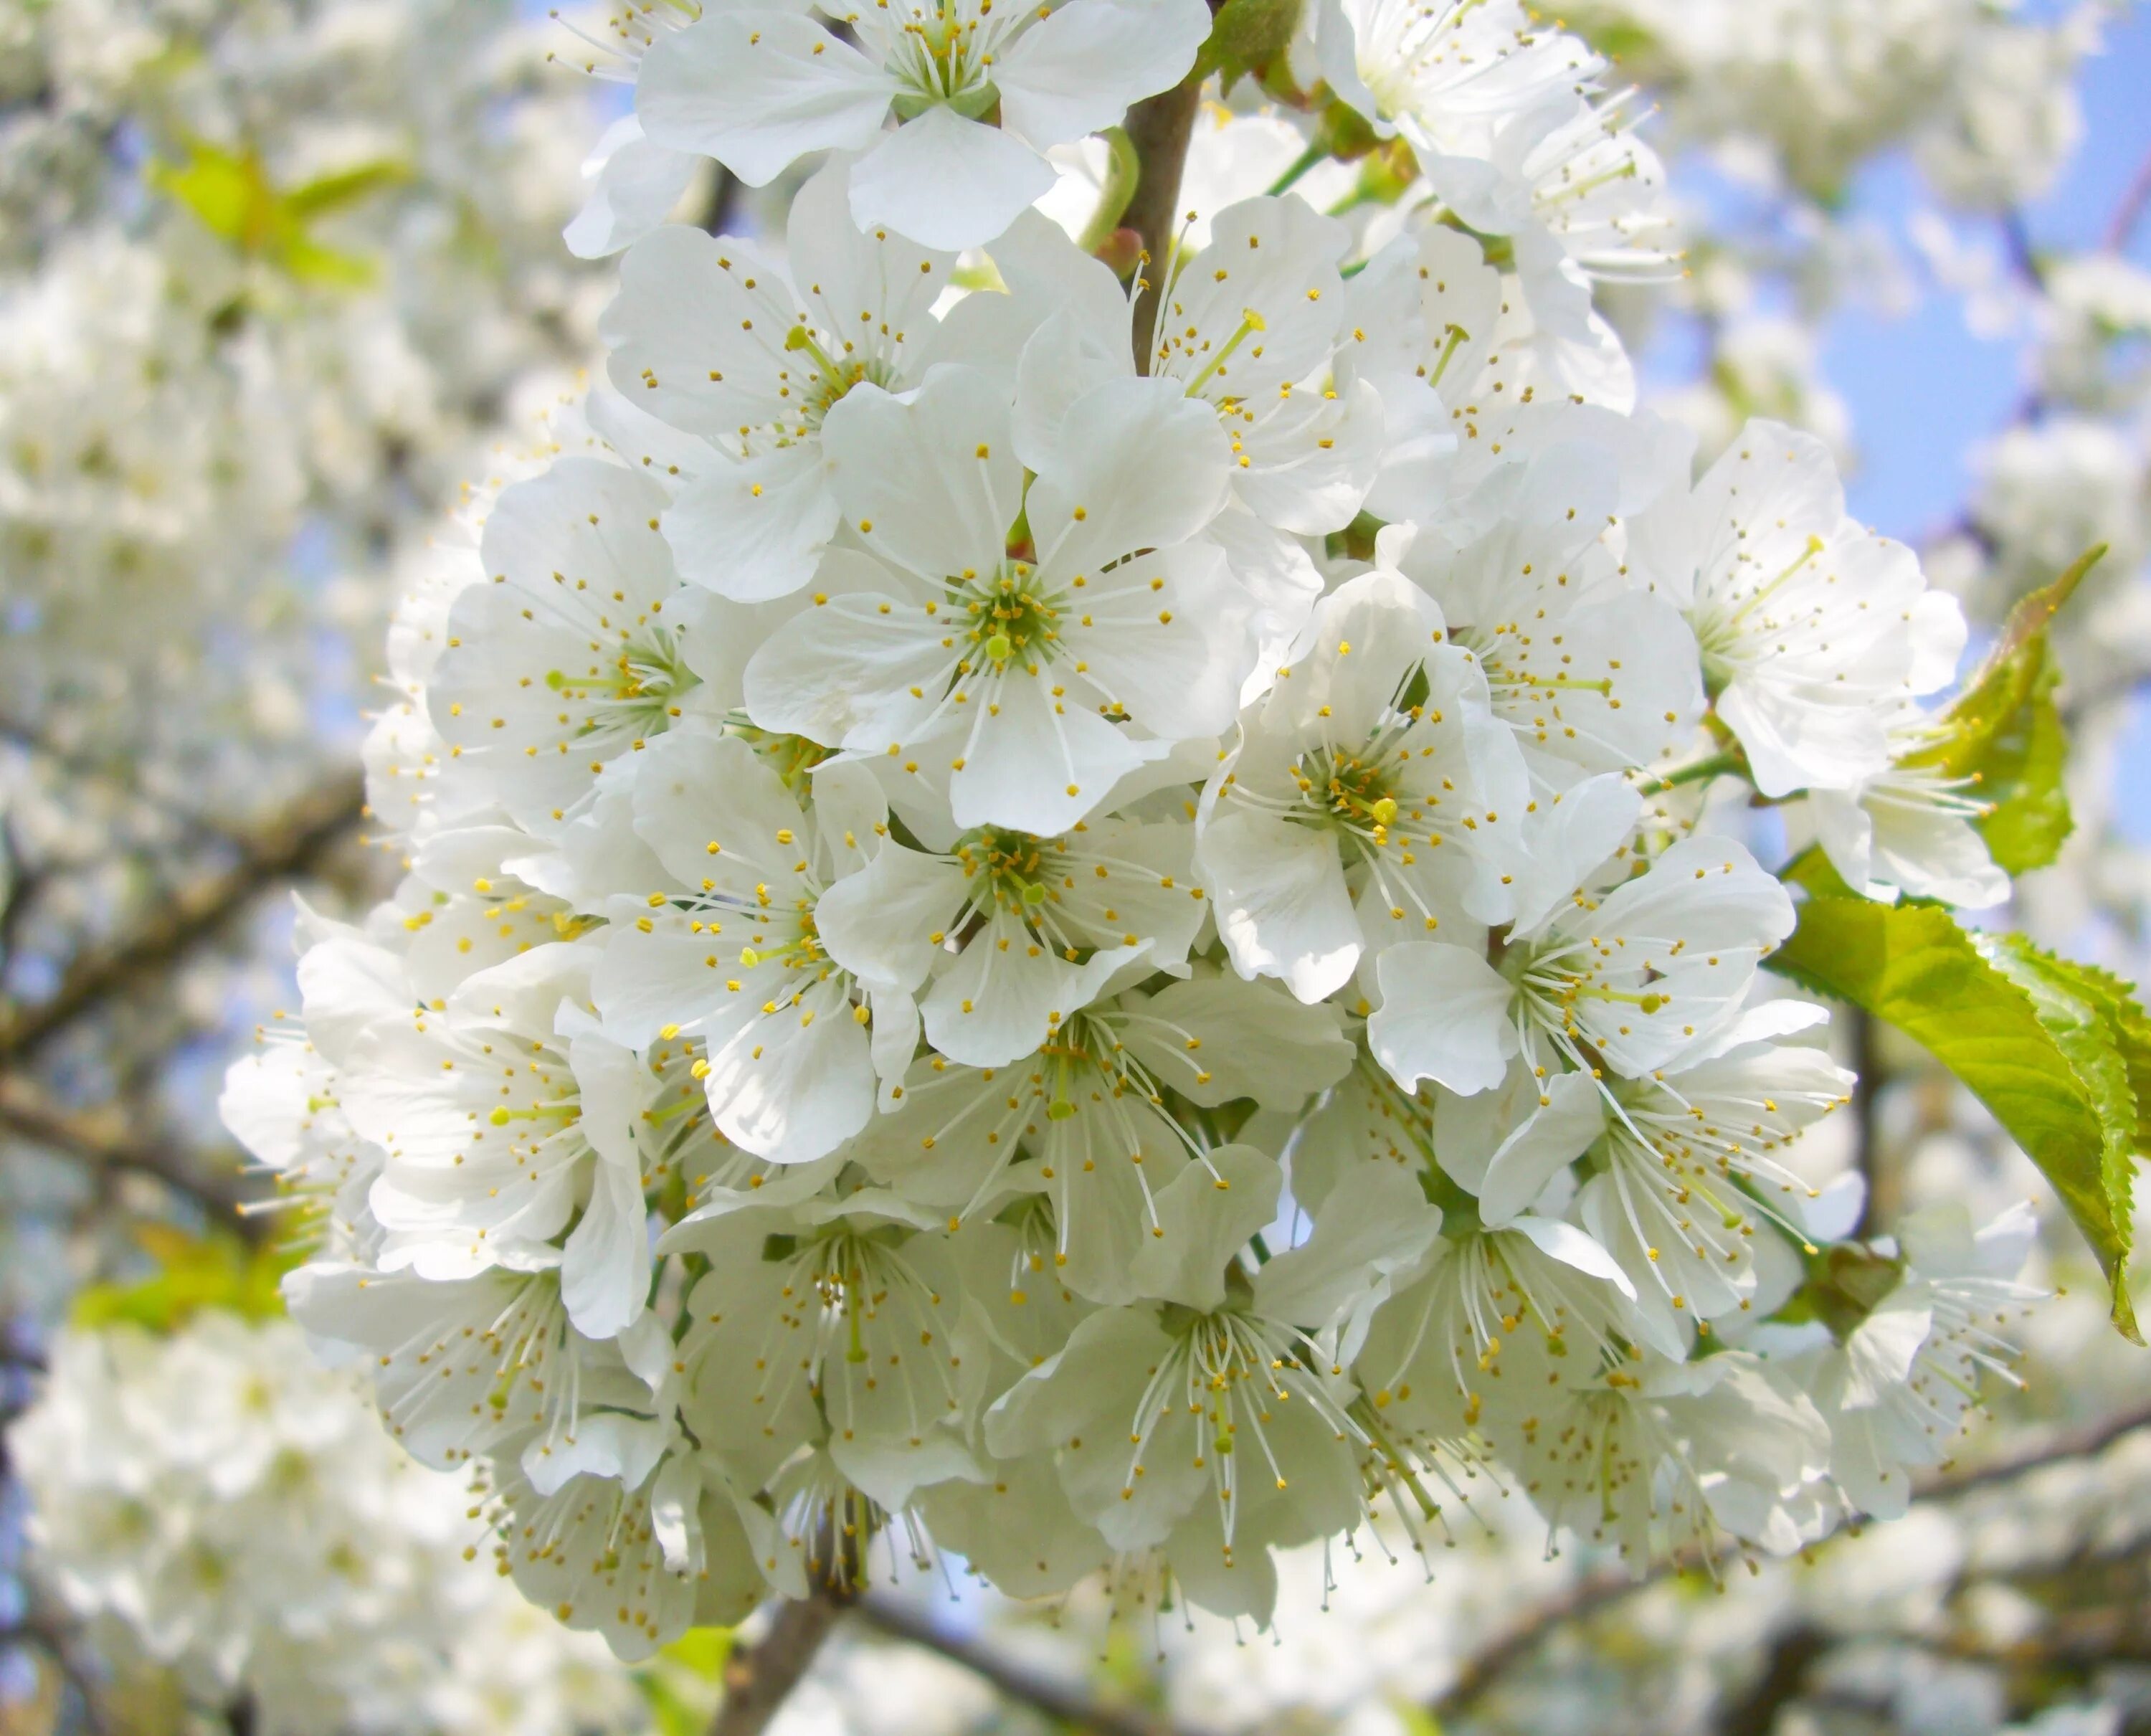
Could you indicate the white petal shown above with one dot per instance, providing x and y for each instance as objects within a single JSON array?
[
  {"x": 1171, "y": 641},
  {"x": 1796, "y": 742},
  {"x": 1039, "y": 766},
  {"x": 1371, "y": 1228},
  {"x": 930, "y": 485},
  {"x": 1936, "y": 855},
  {"x": 1282, "y": 905},
  {"x": 1070, "y": 355},
  {"x": 754, "y": 531},
  {"x": 636, "y": 184},
  {"x": 1144, "y": 464},
  {"x": 842, "y": 672},
  {"x": 1076, "y": 71},
  {"x": 1559, "y": 1131},
  {"x": 1566, "y": 1243},
  {"x": 1569, "y": 839},
  {"x": 1256, "y": 1041},
  {"x": 759, "y": 89},
  {"x": 876, "y": 923},
  {"x": 1846, "y": 833},
  {"x": 1007, "y": 994},
  {"x": 855, "y": 278},
  {"x": 1309, "y": 464},
  {"x": 1207, "y": 1212},
  {"x": 948, "y": 182},
  {"x": 1445, "y": 1016},
  {"x": 605, "y": 1269}
]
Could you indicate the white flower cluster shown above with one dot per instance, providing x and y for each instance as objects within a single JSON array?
[
  {"x": 262, "y": 269},
  {"x": 216, "y": 1503},
  {"x": 1982, "y": 91},
  {"x": 1106, "y": 957}
]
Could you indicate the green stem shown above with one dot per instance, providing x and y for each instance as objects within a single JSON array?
[
  {"x": 1714, "y": 766},
  {"x": 1316, "y": 153}
]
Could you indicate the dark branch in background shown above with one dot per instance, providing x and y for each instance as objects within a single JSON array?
[
  {"x": 757, "y": 1680},
  {"x": 1484, "y": 1668},
  {"x": 1159, "y": 128},
  {"x": 722, "y": 203},
  {"x": 2121, "y": 226},
  {"x": 1785, "y": 1666},
  {"x": 101, "y": 1137},
  {"x": 1879, "y": 1211},
  {"x": 292, "y": 844},
  {"x": 102, "y": 770},
  {"x": 1062, "y": 1702}
]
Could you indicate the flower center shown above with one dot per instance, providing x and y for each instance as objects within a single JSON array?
[
  {"x": 1006, "y": 868},
  {"x": 834, "y": 375},
  {"x": 637, "y": 692},
  {"x": 945, "y": 58},
  {"x": 1346, "y": 791},
  {"x": 1013, "y": 619},
  {"x": 792, "y": 758}
]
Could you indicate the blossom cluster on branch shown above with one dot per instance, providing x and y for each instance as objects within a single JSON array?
[{"x": 1108, "y": 955}]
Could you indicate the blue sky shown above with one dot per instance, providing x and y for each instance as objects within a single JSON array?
[{"x": 1922, "y": 390}]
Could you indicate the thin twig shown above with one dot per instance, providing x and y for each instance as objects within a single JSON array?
[
  {"x": 1061, "y": 1701},
  {"x": 757, "y": 1681},
  {"x": 292, "y": 844},
  {"x": 1594, "y": 1590},
  {"x": 2121, "y": 226}
]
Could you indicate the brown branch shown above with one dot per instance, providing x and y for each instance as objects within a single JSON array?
[
  {"x": 1062, "y": 1702},
  {"x": 101, "y": 1137},
  {"x": 292, "y": 844},
  {"x": 1159, "y": 128},
  {"x": 1785, "y": 1666},
  {"x": 757, "y": 1681},
  {"x": 1594, "y": 1590}
]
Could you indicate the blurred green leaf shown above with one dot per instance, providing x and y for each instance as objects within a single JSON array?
[
  {"x": 193, "y": 1274},
  {"x": 671, "y": 1683},
  {"x": 231, "y": 194}
]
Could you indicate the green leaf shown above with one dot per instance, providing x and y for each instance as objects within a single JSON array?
[
  {"x": 2004, "y": 733},
  {"x": 2095, "y": 1020},
  {"x": 2043, "y": 1044},
  {"x": 1247, "y": 36}
]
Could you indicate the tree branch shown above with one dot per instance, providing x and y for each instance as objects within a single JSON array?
[
  {"x": 100, "y": 1136},
  {"x": 2121, "y": 227},
  {"x": 1159, "y": 128},
  {"x": 1060, "y": 1701},
  {"x": 1594, "y": 1590},
  {"x": 292, "y": 844},
  {"x": 756, "y": 1682}
]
